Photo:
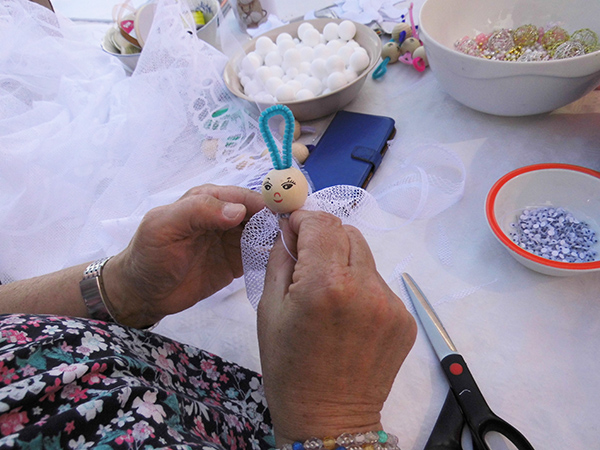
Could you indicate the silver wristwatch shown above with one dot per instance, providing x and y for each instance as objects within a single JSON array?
[{"x": 92, "y": 291}]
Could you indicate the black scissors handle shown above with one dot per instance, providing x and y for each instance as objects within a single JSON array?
[{"x": 478, "y": 415}]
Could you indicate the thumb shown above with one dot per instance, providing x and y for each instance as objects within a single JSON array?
[{"x": 205, "y": 212}]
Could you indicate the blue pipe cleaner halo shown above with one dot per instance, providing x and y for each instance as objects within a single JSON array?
[
  {"x": 285, "y": 188},
  {"x": 288, "y": 135}
]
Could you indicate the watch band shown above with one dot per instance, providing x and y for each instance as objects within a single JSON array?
[{"x": 92, "y": 291}]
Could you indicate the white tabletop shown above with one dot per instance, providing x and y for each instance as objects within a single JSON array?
[{"x": 529, "y": 339}]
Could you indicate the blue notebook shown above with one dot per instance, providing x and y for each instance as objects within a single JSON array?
[{"x": 350, "y": 150}]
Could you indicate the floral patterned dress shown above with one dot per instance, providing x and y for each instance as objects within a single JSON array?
[{"x": 69, "y": 383}]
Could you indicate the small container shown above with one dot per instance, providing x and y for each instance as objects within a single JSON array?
[{"x": 249, "y": 13}]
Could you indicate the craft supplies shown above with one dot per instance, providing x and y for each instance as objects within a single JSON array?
[
  {"x": 554, "y": 233},
  {"x": 286, "y": 68},
  {"x": 529, "y": 43},
  {"x": 284, "y": 188}
]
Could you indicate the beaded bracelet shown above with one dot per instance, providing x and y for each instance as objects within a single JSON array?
[{"x": 371, "y": 440}]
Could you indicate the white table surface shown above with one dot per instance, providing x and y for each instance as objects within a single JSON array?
[{"x": 530, "y": 340}]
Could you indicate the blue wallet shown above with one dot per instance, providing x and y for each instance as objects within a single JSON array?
[{"x": 350, "y": 150}]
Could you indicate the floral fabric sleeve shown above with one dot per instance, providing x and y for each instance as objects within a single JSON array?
[{"x": 69, "y": 383}]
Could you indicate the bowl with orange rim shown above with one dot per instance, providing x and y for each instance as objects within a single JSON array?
[{"x": 548, "y": 217}]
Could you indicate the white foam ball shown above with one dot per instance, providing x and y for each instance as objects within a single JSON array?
[
  {"x": 345, "y": 52},
  {"x": 350, "y": 75},
  {"x": 252, "y": 88},
  {"x": 311, "y": 37},
  {"x": 295, "y": 85},
  {"x": 277, "y": 71},
  {"x": 326, "y": 91},
  {"x": 334, "y": 64},
  {"x": 244, "y": 80},
  {"x": 306, "y": 53},
  {"x": 292, "y": 72},
  {"x": 336, "y": 81},
  {"x": 346, "y": 30},
  {"x": 272, "y": 84},
  {"x": 335, "y": 45},
  {"x": 302, "y": 29},
  {"x": 263, "y": 73},
  {"x": 285, "y": 78},
  {"x": 359, "y": 61},
  {"x": 352, "y": 43},
  {"x": 318, "y": 68},
  {"x": 284, "y": 93},
  {"x": 263, "y": 97},
  {"x": 264, "y": 45},
  {"x": 285, "y": 45},
  {"x": 273, "y": 58},
  {"x": 330, "y": 31},
  {"x": 314, "y": 85},
  {"x": 283, "y": 37},
  {"x": 250, "y": 63},
  {"x": 304, "y": 67},
  {"x": 292, "y": 57},
  {"x": 301, "y": 77},
  {"x": 304, "y": 94},
  {"x": 322, "y": 51}
]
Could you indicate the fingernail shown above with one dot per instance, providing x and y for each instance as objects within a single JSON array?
[{"x": 233, "y": 210}]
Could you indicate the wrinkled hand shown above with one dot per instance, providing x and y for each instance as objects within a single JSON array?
[
  {"x": 332, "y": 334},
  {"x": 180, "y": 254}
]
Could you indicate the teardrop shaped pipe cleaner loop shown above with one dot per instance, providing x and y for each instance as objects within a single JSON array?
[{"x": 288, "y": 135}]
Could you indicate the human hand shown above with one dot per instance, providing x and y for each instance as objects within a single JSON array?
[
  {"x": 180, "y": 254},
  {"x": 332, "y": 334}
]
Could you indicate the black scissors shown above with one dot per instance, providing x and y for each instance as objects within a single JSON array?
[{"x": 464, "y": 403}]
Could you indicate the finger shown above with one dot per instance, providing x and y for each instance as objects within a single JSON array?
[
  {"x": 252, "y": 200},
  {"x": 321, "y": 238},
  {"x": 360, "y": 252},
  {"x": 278, "y": 277}
]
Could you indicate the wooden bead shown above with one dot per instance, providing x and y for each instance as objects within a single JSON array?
[
  {"x": 299, "y": 152},
  {"x": 297, "y": 129},
  {"x": 420, "y": 53},
  {"x": 399, "y": 28},
  {"x": 391, "y": 50},
  {"x": 409, "y": 45},
  {"x": 285, "y": 191}
]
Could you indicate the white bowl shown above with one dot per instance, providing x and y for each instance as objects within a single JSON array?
[
  {"x": 128, "y": 60},
  {"x": 501, "y": 87},
  {"x": 322, "y": 105},
  {"x": 574, "y": 188}
]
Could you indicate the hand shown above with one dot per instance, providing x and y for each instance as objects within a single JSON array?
[
  {"x": 332, "y": 334},
  {"x": 180, "y": 254}
]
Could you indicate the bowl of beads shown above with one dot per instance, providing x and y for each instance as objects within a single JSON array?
[
  {"x": 548, "y": 217},
  {"x": 315, "y": 67},
  {"x": 513, "y": 57}
]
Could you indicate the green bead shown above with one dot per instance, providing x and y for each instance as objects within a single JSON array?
[{"x": 383, "y": 437}]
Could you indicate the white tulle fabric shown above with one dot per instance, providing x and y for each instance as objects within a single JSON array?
[{"x": 86, "y": 150}]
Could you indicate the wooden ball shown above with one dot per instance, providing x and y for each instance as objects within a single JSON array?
[
  {"x": 410, "y": 45},
  {"x": 391, "y": 50},
  {"x": 285, "y": 191},
  {"x": 420, "y": 53},
  {"x": 399, "y": 28},
  {"x": 300, "y": 152},
  {"x": 297, "y": 130}
]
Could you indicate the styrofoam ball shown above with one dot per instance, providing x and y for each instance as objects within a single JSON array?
[
  {"x": 283, "y": 37},
  {"x": 335, "y": 45},
  {"x": 284, "y": 93},
  {"x": 263, "y": 73},
  {"x": 350, "y": 75},
  {"x": 252, "y": 88},
  {"x": 272, "y": 84},
  {"x": 304, "y": 67},
  {"x": 264, "y": 45},
  {"x": 330, "y": 31},
  {"x": 318, "y": 68},
  {"x": 273, "y": 58},
  {"x": 345, "y": 52},
  {"x": 277, "y": 71},
  {"x": 334, "y": 64},
  {"x": 306, "y": 53},
  {"x": 292, "y": 57},
  {"x": 284, "y": 45},
  {"x": 302, "y": 29},
  {"x": 301, "y": 77},
  {"x": 250, "y": 63},
  {"x": 292, "y": 72},
  {"x": 304, "y": 94},
  {"x": 359, "y": 61},
  {"x": 352, "y": 43},
  {"x": 346, "y": 30},
  {"x": 264, "y": 97},
  {"x": 311, "y": 37},
  {"x": 244, "y": 80},
  {"x": 314, "y": 85},
  {"x": 322, "y": 51},
  {"x": 336, "y": 80},
  {"x": 295, "y": 85}
]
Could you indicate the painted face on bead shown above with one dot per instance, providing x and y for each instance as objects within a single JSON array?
[{"x": 285, "y": 191}]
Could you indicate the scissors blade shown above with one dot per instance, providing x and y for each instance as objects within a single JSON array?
[{"x": 437, "y": 334}]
